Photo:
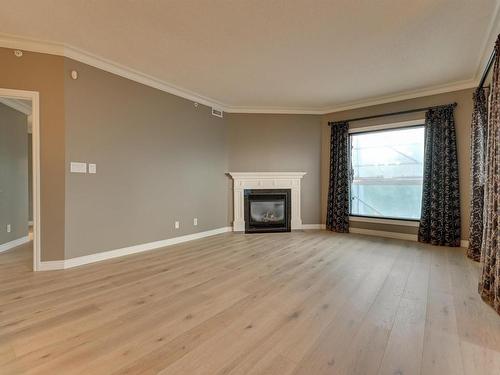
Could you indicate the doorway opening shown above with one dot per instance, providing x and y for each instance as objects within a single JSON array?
[{"x": 20, "y": 218}]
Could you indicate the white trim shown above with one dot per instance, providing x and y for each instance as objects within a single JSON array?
[
  {"x": 87, "y": 259},
  {"x": 18, "y": 105},
  {"x": 405, "y": 223},
  {"x": 489, "y": 42},
  {"x": 51, "y": 265},
  {"x": 276, "y": 110},
  {"x": 97, "y": 257},
  {"x": 403, "y": 95},
  {"x": 388, "y": 125},
  {"x": 35, "y": 113},
  {"x": 313, "y": 226},
  {"x": 399, "y": 236},
  {"x": 28, "y": 44},
  {"x": 265, "y": 180},
  {"x": 266, "y": 175},
  {"x": 60, "y": 49},
  {"x": 383, "y": 233},
  {"x": 14, "y": 243}
]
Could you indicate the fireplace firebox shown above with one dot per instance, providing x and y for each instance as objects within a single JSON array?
[{"x": 267, "y": 210}]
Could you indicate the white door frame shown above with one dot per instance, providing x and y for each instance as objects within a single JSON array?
[{"x": 35, "y": 104}]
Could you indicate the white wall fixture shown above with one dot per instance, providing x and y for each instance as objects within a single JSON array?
[
  {"x": 217, "y": 112},
  {"x": 76, "y": 167},
  {"x": 265, "y": 180},
  {"x": 92, "y": 168},
  {"x": 74, "y": 74}
]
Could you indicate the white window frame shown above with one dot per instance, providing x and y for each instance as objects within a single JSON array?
[{"x": 392, "y": 125}]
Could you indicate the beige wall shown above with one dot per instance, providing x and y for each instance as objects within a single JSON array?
[
  {"x": 279, "y": 143},
  {"x": 159, "y": 159},
  {"x": 45, "y": 74},
  {"x": 13, "y": 174},
  {"x": 463, "y": 114}
]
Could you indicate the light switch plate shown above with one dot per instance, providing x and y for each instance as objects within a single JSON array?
[
  {"x": 195, "y": 221},
  {"x": 92, "y": 168},
  {"x": 76, "y": 167},
  {"x": 176, "y": 225}
]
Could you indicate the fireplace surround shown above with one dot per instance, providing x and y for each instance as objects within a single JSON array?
[
  {"x": 266, "y": 181},
  {"x": 267, "y": 210}
]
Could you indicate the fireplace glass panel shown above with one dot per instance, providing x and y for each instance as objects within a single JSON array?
[{"x": 268, "y": 212}]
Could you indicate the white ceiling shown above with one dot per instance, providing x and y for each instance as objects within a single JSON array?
[{"x": 304, "y": 55}]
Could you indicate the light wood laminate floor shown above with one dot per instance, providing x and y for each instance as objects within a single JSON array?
[{"x": 310, "y": 303}]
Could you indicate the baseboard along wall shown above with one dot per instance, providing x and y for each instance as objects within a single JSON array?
[
  {"x": 396, "y": 235},
  {"x": 87, "y": 259},
  {"x": 11, "y": 244},
  {"x": 105, "y": 255}
]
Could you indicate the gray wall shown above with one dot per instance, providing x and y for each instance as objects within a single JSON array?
[
  {"x": 279, "y": 143},
  {"x": 13, "y": 174},
  {"x": 463, "y": 115},
  {"x": 159, "y": 159}
]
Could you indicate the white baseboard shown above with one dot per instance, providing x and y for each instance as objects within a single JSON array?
[
  {"x": 9, "y": 245},
  {"x": 51, "y": 265},
  {"x": 383, "y": 233},
  {"x": 399, "y": 236},
  {"x": 313, "y": 226},
  {"x": 86, "y": 259}
]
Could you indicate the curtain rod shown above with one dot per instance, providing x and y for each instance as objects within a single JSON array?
[
  {"x": 489, "y": 65},
  {"x": 391, "y": 114}
]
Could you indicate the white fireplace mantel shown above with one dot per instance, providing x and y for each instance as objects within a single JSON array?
[{"x": 265, "y": 180}]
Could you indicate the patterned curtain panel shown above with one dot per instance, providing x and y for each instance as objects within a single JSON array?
[
  {"x": 478, "y": 154},
  {"x": 440, "y": 218},
  {"x": 337, "y": 217},
  {"x": 489, "y": 283}
]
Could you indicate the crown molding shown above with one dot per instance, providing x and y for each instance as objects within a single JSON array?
[
  {"x": 404, "y": 95},
  {"x": 489, "y": 42},
  {"x": 17, "y": 104},
  {"x": 275, "y": 110},
  {"x": 53, "y": 48},
  {"x": 59, "y": 49}
]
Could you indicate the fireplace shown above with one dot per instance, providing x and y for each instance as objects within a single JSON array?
[
  {"x": 267, "y": 210},
  {"x": 262, "y": 183}
]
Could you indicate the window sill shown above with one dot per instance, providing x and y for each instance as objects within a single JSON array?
[{"x": 405, "y": 223}]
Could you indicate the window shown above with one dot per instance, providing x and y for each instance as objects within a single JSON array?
[{"x": 387, "y": 171}]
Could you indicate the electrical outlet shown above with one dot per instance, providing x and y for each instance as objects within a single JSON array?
[
  {"x": 195, "y": 221},
  {"x": 176, "y": 225},
  {"x": 9, "y": 228}
]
